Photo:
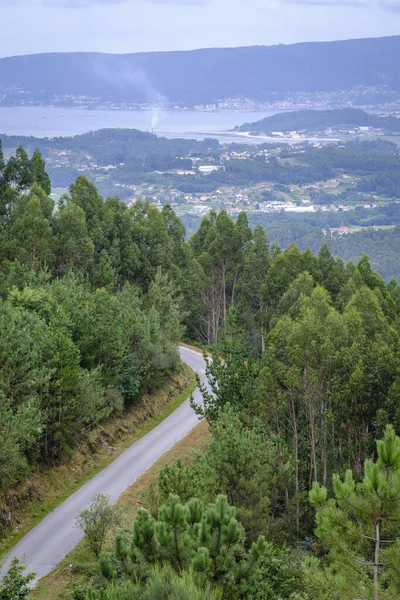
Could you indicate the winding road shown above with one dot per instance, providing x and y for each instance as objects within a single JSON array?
[{"x": 56, "y": 535}]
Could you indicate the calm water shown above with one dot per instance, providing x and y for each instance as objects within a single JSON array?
[{"x": 47, "y": 121}]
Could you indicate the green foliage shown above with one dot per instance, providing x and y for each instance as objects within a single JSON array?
[
  {"x": 281, "y": 575},
  {"x": 31, "y": 236},
  {"x": 204, "y": 539},
  {"x": 74, "y": 247},
  {"x": 91, "y": 310},
  {"x": 15, "y": 583},
  {"x": 232, "y": 378},
  {"x": 255, "y": 472},
  {"x": 20, "y": 434},
  {"x": 220, "y": 245},
  {"x": 303, "y": 377},
  {"x": 309, "y": 346},
  {"x": 163, "y": 583},
  {"x": 95, "y": 522},
  {"x": 197, "y": 480},
  {"x": 39, "y": 174},
  {"x": 360, "y": 527},
  {"x": 18, "y": 170}
]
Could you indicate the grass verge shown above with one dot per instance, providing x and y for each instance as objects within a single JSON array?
[
  {"x": 71, "y": 575},
  {"x": 32, "y": 500}
]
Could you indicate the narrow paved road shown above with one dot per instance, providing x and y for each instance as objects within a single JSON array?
[{"x": 56, "y": 535}]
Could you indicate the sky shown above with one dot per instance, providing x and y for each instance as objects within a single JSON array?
[{"x": 124, "y": 26}]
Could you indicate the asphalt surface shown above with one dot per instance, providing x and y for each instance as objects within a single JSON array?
[{"x": 56, "y": 535}]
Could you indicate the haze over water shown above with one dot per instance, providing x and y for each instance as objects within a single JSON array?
[{"x": 49, "y": 121}]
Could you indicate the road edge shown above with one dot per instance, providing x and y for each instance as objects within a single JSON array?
[{"x": 147, "y": 426}]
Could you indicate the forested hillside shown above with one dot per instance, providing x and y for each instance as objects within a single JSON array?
[
  {"x": 90, "y": 312},
  {"x": 381, "y": 245},
  {"x": 319, "y": 120},
  {"x": 304, "y": 378},
  {"x": 312, "y": 231},
  {"x": 210, "y": 75},
  {"x": 112, "y": 146}
]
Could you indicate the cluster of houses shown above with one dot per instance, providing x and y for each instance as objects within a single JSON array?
[{"x": 296, "y": 199}]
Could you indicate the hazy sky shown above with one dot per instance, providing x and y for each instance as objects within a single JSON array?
[{"x": 31, "y": 26}]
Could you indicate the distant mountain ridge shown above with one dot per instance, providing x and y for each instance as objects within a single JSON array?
[
  {"x": 202, "y": 76},
  {"x": 319, "y": 120}
]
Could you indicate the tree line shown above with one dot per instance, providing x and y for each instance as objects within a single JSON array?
[
  {"x": 113, "y": 146},
  {"x": 381, "y": 245},
  {"x": 90, "y": 311}
]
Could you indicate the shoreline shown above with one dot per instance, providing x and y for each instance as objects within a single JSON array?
[{"x": 244, "y": 135}]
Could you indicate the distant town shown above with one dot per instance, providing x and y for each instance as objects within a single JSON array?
[
  {"x": 365, "y": 97},
  {"x": 261, "y": 197}
]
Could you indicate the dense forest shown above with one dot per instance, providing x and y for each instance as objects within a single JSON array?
[
  {"x": 294, "y": 498},
  {"x": 382, "y": 245},
  {"x": 90, "y": 318},
  {"x": 313, "y": 230},
  {"x": 112, "y": 146},
  {"x": 319, "y": 120}
]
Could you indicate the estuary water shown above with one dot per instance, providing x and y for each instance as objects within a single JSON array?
[{"x": 50, "y": 121}]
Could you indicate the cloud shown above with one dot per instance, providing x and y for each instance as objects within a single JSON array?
[
  {"x": 88, "y": 3},
  {"x": 390, "y": 5},
  {"x": 385, "y": 5},
  {"x": 85, "y": 3},
  {"x": 360, "y": 3},
  {"x": 310, "y": 3}
]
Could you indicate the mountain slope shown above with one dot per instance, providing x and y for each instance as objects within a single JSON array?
[{"x": 203, "y": 75}]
